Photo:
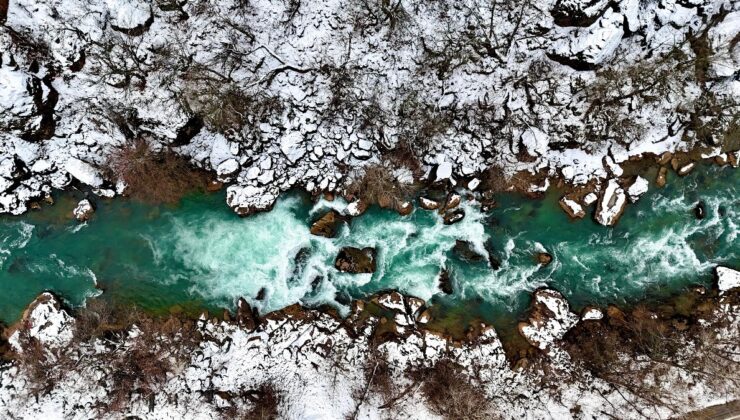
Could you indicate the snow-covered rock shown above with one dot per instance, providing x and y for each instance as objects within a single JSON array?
[
  {"x": 572, "y": 208},
  {"x": 611, "y": 204},
  {"x": 549, "y": 320},
  {"x": 637, "y": 189},
  {"x": 727, "y": 278},
  {"x": 84, "y": 172},
  {"x": 83, "y": 211},
  {"x": 46, "y": 322}
]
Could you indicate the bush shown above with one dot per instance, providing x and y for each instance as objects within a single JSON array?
[
  {"x": 376, "y": 184},
  {"x": 266, "y": 403},
  {"x": 154, "y": 177},
  {"x": 450, "y": 393}
]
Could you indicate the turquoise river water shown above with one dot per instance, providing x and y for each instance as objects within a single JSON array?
[{"x": 200, "y": 255}]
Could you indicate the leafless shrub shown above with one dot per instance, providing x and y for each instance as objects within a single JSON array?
[
  {"x": 266, "y": 403},
  {"x": 155, "y": 177},
  {"x": 377, "y": 184},
  {"x": 140, "y": 363},
  {"x": 451, "y": 394}
]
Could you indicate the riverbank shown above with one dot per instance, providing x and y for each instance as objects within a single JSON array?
[{"x": 379, "y": 361}]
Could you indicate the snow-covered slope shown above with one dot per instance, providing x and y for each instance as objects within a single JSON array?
[
  {"x": 277, "y": 94},
  {"x": 322, "y": 367}
]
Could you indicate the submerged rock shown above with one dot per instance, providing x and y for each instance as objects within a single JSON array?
[
  {"x": 83, "y": 211},
  {"x": 328, "y": 225},
  {"x": 465, "y": 250},
  {"x": 544, "y": 258},
  {"x": 699, "y": 210},
  {"x": 445, "y": 282},
  {"x": 356, "y": 260}
]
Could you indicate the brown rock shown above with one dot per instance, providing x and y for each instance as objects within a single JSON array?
[
  {"x": 356, "y": 260},
  {"x": 405, "y": 208},
  {"x": 544, "y": 258},
  {"x": 328, "y": 225},
  {"x": 665, "y": 158},
  {"x": 660, "y": 181},
  {"x": 214, "y": 186},
  {"x": 428, "y": 204}
]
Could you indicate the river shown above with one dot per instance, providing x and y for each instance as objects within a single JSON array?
[{"x": 199, "y": 255}]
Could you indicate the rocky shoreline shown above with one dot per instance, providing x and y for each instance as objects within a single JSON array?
[
  {"x": 318, "y": 93},
  {"x": 367, "y": 365}
]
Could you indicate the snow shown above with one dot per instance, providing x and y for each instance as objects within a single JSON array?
[
  {"x": 444, "y": 172},
  {"x": 727, "y": 278},
  {"x": 592, "y": 314},
  {"x": 595, "y": 44},
  {"x": 15, "y": 96},
  {"x": 314, "y": 147},
  {"x": 84, "y": 172},
  {"x": 320, "y": 365},
  {"x": 128, "y": 14}
]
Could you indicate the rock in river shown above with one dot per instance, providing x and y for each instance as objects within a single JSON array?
[
  {"x": 328, "y": 225},
  {"x": 356, "y": 260},
  {"x": 84, "y": 210}
]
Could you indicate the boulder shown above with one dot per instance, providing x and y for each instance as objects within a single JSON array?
[
  {"x": 83, "y": 211},
  {"x": 549, "y": 319},
  {"x": 356, "y": 260},
  {"x": 453, "y": 216},
  {"x": 452, "y": 202},
  {"x": 591, "y": 313},
  {"x": 637, "y": 189},
  {"x": 727, "y": 278},
  {"x": 660, "y": 180},
  {"x": 245, "y": 316},
  {"x": 572, "y": 208},
  {"x": 699, "y": 210},
  {"x": 428, "y": 204},
  {"x": 543, "y": 258},
  {"x": 355, "y": 208},
  {"x": 611, "y": 204},
  {"x": 466, "y": 251},
  {"x": 445, "y": 282},
  {"x": 328, "y": 225},
  {"x": 685, "y": 169},
  {"x": 405, "y": 208}
]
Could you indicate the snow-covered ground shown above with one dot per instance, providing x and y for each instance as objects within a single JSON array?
[
  {"x": 282, "y": 94},
  {"x": 321, "y": 367}
]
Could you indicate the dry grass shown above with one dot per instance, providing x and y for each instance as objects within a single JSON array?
[{"x": 154, "y": 177}]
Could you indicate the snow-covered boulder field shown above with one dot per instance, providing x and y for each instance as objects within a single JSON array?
[
  {"x": 318, "y": 366},
  {"x": 274, "y": 95}
]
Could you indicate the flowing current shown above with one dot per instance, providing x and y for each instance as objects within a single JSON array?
[{"x": 200, "y": 255}]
